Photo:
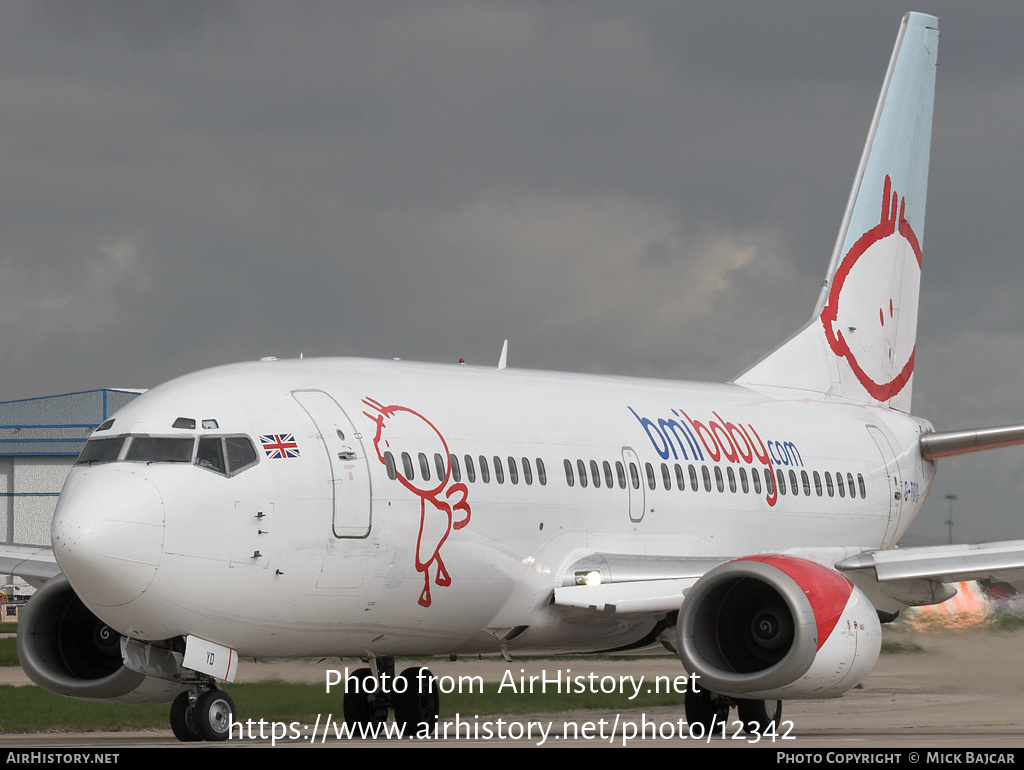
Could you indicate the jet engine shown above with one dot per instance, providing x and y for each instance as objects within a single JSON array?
[
  {"x": 773, "y": 626},
  {"x": 67, "y": 650}
]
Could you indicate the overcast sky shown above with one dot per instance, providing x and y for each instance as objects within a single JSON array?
[{"x": 624, "y": 187}]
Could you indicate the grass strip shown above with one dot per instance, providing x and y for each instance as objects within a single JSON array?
[{"x": 31, "y": 709}]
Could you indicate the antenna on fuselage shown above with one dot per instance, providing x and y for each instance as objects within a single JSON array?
[{"x": 504, "y": 356}]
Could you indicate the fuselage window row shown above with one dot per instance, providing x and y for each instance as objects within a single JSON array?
[
  {"x": 481, "y": 467},
  {"x": 737, "y": 480}
]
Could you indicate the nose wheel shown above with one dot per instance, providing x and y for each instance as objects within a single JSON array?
[{"x": 202, "y": 716}]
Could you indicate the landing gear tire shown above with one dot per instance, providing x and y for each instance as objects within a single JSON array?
[
  {"x": 183, "y": 722},
  {"x": 705, "y": 708},
  {"x": 759, "y": 715},
  {"x": 213, "y": 713},
  {"x": 417, "y": 704},
  {"x": 364, "y": 704}
]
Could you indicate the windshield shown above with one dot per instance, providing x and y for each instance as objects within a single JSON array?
[
  {"x": 102, "y": 450},
  {"x": 147, "y": 449}
]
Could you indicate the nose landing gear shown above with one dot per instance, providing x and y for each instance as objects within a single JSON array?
[{"x": 204, "y": 716}]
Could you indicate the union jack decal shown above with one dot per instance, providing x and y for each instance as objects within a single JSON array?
[{"x": 280, "y": 446}]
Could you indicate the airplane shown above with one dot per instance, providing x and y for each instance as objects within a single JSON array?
[{"x": 385, "y": 509}]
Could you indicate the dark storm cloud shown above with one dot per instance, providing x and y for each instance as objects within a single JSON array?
[{"x": 634, "y": 188}]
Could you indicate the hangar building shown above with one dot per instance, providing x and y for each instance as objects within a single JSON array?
[{"x": 39, "y": 441}]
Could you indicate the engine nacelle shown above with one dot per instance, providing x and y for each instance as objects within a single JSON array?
[
  {"x": 773, "y": 626},
  {"x": 67, "y": 650}
]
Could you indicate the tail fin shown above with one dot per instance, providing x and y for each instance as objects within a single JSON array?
[{"x": 859, "y": 343}]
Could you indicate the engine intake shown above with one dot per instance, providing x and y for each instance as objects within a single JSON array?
[
  {"x": 67, "y": 650},
  {"x": 777, "y": 626}
]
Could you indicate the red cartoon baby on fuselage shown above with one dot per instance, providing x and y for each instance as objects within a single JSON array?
[{"x": 416, "y": 435}]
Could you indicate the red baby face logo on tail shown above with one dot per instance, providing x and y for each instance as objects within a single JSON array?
[
  {"x": 448, "y": 508},
  {"x": 870, "y": 318}
]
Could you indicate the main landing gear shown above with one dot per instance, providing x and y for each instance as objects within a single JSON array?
[
  {"x": 712, "y": 711},
  {"x": 412, "y": 695},
  {"x": 202, "y": 716}
]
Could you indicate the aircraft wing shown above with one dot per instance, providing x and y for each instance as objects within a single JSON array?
[
  {"x": 35, "y": 564},
  {"x": 1000, "y": 561},
  {"x": 628, "y": 584},
  {"x": 893, "y": 579}
]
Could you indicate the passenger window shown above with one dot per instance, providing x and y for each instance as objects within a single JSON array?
[
  {"x": 693, "y": 479},
  {"x": 718, "y": 479},
  {"x": 608, "y": 480},
  {"x": 582, "y": 469},
  {"x": 828, "y": 484},
  {"x": 634, "y": 475},
  {"x": 792, "y": 483},
  {"x": 513, "y": 471},
  {"x": 499, "y": 472},
  {"x": 470, "y": 470},
  {"x": 407, "y": 466},
  {"x": 732, "y": 478},
  {"x": 680, "y": 478},
  {"x": 424, "y": 467},
  {"x": 863, "y": 488},
  {"x": 442, "y": 471},
  {"x": 850, "y": 486},
  {"x": 568, "y": 472},
  {"x": 769, "y": 485},
  {"x": 527, "y": 471},
  {"x": 756, "y": 478},
  {"x": 453, "y": 463},
  {"x": 620, "y": 471},
  {"x": 485, "y": 473},
  {"x": 595, "y": 474},
  {"x": 782, "y": 482},
  {"x": 651, "y": 482},
  {"x": 817, "y": 483},
  {"x": 707, "y": 477},
  {"x": 743, "y": 480},
  {"x": 839, "y": 485},
  {"x": 542, "y": 474},
  {"x": 389, "y": 464}
]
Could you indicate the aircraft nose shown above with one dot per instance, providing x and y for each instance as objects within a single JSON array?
[{"x": 107, "y": 534}]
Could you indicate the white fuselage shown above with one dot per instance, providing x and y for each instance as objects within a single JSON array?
[{"x": 334, "y": 548}]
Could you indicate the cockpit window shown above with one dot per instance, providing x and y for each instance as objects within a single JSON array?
[
  {"x": 147, "y": 449},
  {"x": 106, "y": 425},
  {"x": 211, "y": 454},
  {"x": 102, "y": 450},
  {"x": 241, "y": 453},
  {"x": 226, "y": 454}
]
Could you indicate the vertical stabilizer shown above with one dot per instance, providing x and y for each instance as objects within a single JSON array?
[{"x": 859, "y": 343}]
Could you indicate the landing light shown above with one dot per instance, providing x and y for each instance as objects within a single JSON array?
[{"x": 592, "y": 578}]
